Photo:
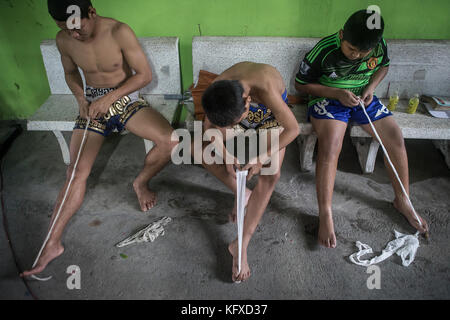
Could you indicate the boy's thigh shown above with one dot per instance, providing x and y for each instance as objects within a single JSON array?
[
  {"x": 329, "y": 129},
  {"x": 387, "y": 128},
  {"x": 92, "y": 146},
  {"x": 329, "y": 109},
  {"x": 149, "y": 124}
]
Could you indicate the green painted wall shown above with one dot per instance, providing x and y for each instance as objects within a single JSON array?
[{"x": 25, "y": 23}]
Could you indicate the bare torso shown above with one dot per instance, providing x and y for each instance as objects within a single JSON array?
[
  {"x": 100, "y": 58},
  {"x": 256, "y": 78}
]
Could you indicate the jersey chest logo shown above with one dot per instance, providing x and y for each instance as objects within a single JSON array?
[{"x": 372, "y": 63}]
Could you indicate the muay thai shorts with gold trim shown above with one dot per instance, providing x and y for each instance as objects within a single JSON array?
[
  {"x": 259, "y": 117},
  {"x": 118, "y": 114}
]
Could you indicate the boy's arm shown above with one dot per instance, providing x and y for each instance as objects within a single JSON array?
[
  {"x": 346, "y": 97},
  {"x": 307, "y": 78},
  {"x": 367, "y": 95},
  {"x": 73, "y": 77},
  {"x": 136, "y": 59},
  {"x": 283, "y": 115},
  {"x": 287, "y": 120}
]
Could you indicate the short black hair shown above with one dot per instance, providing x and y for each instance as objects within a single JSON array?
[
  {"x": 358, "y": 33},
  {"x": 58, "y": 8},
  {"x": 223, "y": 102}
]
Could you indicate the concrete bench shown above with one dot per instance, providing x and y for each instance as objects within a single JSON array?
[
  {"x": 60, "y": 110},
  {"x": 414, "y": 126},
  {"x": 417, "y": 66},
  {"x": 216, "y": 54}
]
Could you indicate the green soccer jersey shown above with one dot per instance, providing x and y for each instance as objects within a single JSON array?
[{"x": 327, "y": 65}]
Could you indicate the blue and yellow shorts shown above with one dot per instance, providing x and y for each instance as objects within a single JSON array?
[
  {"x": 120, "y": 112},
  {"x": 260, "y": 117}
]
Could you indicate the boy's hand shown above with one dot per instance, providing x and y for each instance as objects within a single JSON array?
[
  {"x": 100, "y": 107},
  {"x": 231, "y": 168},
  {"x": 367, "y": 96},
  {"x": 84, "y": 108},
  {"x": 253, "y": 169},
  {"x": 348, "y": 98}
]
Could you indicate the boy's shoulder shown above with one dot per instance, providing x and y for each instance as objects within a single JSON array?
[
  {"x": 381, "y": 47},
  {"x": 323, "y": 47}
]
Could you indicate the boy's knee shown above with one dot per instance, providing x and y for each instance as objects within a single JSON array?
[
  {"x": 166, "y": 144},
  {"x": 330, "y": 147},
  {"x": 171, "y": 145},
  {"x": 81, "y": 174},
  {"x": 397, "y": 138}
]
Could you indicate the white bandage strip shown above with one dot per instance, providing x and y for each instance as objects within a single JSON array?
[
  {"x": 241, "y": 180},
  {"x": 62, "y": 202}
]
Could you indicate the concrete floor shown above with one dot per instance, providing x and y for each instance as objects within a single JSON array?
[{"x": 191, "y": 260}]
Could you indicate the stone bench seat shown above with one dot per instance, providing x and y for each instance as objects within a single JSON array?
[{"x": 420, "y": 125}]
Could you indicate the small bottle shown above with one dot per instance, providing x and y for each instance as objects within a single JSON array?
[
  {"x": 413, "y": 103},
  {"x": 393, "y": 101}
]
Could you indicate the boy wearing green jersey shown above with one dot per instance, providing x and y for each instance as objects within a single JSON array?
[{"x": 337, "y": 73}]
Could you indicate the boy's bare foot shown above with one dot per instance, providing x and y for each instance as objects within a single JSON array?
[
  {"x": 50, "y": 252},
  {"x": 245, "y": 269},
  {"x": 147, "y": 198},
  {"x": 327, "y": 238},
  {"x": 402, "y": 205},
  {"x": 233, "y": 215}
]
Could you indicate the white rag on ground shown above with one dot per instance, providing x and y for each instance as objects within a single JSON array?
[
  {"x": 241, "y": 180},
  {"x": 149, "y": 233},
  {"x": 404, "y": 245}
]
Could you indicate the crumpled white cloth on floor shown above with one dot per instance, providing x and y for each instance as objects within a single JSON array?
[
  {"x": 149, "y": 233},
  {"x": 241, "y": 181},
  {"x": 403, "y": 245}
]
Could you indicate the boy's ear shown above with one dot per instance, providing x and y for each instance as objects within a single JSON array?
[
  {"x": 92, "y": 12},
  {"x": 247, "y": 99},
  {"x": 341, "y": 34}
]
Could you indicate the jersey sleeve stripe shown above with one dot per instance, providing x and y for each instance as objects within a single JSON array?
[
  {"x": 323, "y": 41},
  {"x": 318, "y": 48}
]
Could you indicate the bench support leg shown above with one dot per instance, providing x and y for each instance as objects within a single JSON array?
[
  {"x": 63, "y": 145},
  {"x": 367, "y": 149},
  {"x": 148, "y": 145},
  {"x": 444, "y": 146},
  {"x": 306, "y": 145}
]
